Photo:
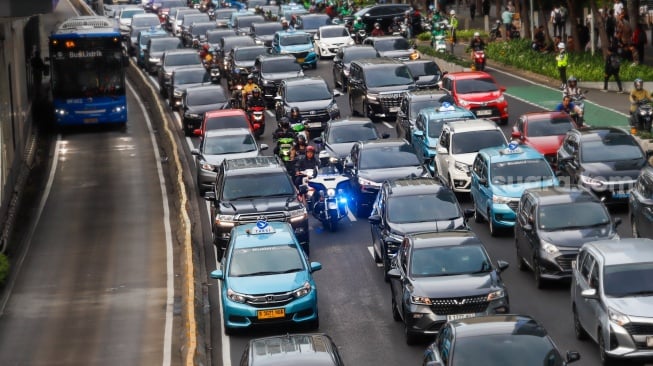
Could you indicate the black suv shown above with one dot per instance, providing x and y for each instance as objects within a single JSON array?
[
  {"x": 248, "y": 189},
  {"x": 552, "y": 224},
  {"x": 383, "y": 14},
  {"x": 411, "y": 205},
  {"x": 342, "y": 60},
  {"x": 315, "y": 100},
  {"x": 241, "y": 64},
  {"x": 271, "y": 69},
  {"x": 396, "y": 47},
  {"x": 376, "y": 87},
  {"x": 411, "y": 103},
  {"x": 640, "y": 203}
]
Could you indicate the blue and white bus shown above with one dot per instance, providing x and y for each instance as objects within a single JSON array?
[{"x": 87, "y": 65}]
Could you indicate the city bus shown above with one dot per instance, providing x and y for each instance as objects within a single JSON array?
[{"x": 87, "y": 68}]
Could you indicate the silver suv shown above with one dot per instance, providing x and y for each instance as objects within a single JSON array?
[{"x": 612, "y": 298}]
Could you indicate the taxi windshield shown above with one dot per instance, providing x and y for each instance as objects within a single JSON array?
[
  {"x": 520, "y": 171},
  {"x": 295, "y": 40},
  {"x": 265, "y": 261}
]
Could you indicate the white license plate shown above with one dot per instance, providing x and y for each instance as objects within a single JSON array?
[
  {"x": 459, "y": 316},
  {"x": 619, "y": 195},
  {"x": 314, "y": 124},
  {"x": 394, "y": 109},
  {"x": 649, "y": 341},
  {"x": 484, "y": 112}
]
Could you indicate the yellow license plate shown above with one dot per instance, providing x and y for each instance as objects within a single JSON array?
[
  {"x": 90, "y": 120},
  {"x": 271, "y": 314},
  {"x": 300, "y": 60}
]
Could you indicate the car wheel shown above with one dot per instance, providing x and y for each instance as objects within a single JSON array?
[
  {"x": 537, "y": 273},
  {"x": 605, "y": 359},
  {"x": 581, "y": 334},
  {"x": 386, "y": 267},
  {"x": 395, "y": 311},
  {"x": 633, "y": 226},
  {"x": 521, "y": 265},
  {"x": 411, "y": 338},
  {"x": 478, "y": 218},
  {"x": 377, "y": 259}
]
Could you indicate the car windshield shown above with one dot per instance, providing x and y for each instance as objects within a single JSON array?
[
  {"x": 266, "y": 30},
  {"x": 383, "y": 76},
  {"x": 279, "y": 66},
  {"x": 520, "y": 171},
  {"x": 214, "y": 37},
  {"x": 610, "y": 147},
  {"x": 200, "y": 30},
  {"x": 392, "y": 156},
  {"x": 334, "y": 32},
  {"x": 351, "y": 133},
  {"x": 205, "y": 96},
  {"x": 442, "y": 205},
  {"x": 228, "y": 144},
  {"x": 572, "y": 216},
  {"x": 480, "y": 85},
  {"x": 625, "y": 280},
  {"x": 161, "y": 45},
  {"x": 473, "y": 141},
  {"x": 191, "y": 77},
  {"x": 246, "y": 22},
  {"x": 265, "y": 261},
  {"x": 215, "y": 123},
  {"x": 295, "y": 40},
  {"x": 248, "y": 54},
  {"x": 224, "y": 15},
  {"x": 128, "y": 14},
  {"x": 145, "y": 37},
  {"x": 520, "y": 347},
  {"x": 449, "y": 261},
  {"x": 393, "y": 44},
  {"x": 183, "y": 59},
  {"x": 423, "y": 68},
  {"x": 190, "y": 19},
  {"x": 314, "y": 22},
  {"x": 249, "y": 186},
  {"x": 146, "y": 22},
  {"x": 357, "y": 53},
  {"x": 549, "y": 127},
  {"x": 307, "y": 92}
]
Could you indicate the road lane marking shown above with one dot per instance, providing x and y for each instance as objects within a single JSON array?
[
  {"x": 371, "y": 250},
  {"x": 351, "y": 216},
  {"x": 388, "y": 125}
]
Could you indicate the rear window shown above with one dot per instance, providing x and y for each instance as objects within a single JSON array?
[
  {"x": 276, "y": 66},
  {"x": 170, "y": 43},
  {"x": 205, "y": 96},
  {"x": 183, "y": 59},
  {"x": 358, "y": 53},
  {"x": 215, "y": 123}
]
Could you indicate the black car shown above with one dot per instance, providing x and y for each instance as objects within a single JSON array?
[
  {"x": 342, "y": 60},
  {"x": 226, "y": 45},
  {"x": 196, "y": 33},
  {"x": 382, "y": 14},
  {"x": 241, "y": 63},
  {"x": 370, "y": 163},
  {"x": 340, "y": 135},
  {"x": 376, "y": 87},
  {"x": 411, "y": 103},
  {"x": 243, "y": 24},
  {"x": 552, "y": 224},
  {"x": 497, "y": 340},
  {"x": 427, "y": 72},
  {"x": 271, "y": 69},
  {"x": 292, "y": 349},
  {"x": 264, "y": 32},
  {"x": 171, "y": 60},
  {"x": 198, "y": 100},
  {"x": 190, "y": 19},
  {"x": 640, "y": 204},
  {"x": 606, "y": 160},
  {"x": 309, "y": 23},
  {"x": 411, "y": 205},
  {"x": 440, "y": 276},
  {"x": 155, "y": 49},
  {"x": 183, "y": 78},
  {"x": 247, "y": 189},
  {"x": 222, "y": 16},
  {"x": 396, "y": 47},
  {"x": 315, "y": 100},
  {"x": 214, "y": 36}
]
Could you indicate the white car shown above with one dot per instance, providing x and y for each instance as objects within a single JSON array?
[
  {"x": 125, "y": 16},
  {"x": 329, "y": 38},
  {"x": 458, "y": 145}
]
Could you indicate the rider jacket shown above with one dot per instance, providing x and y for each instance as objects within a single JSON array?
[
  {"x": 255, "y": 102},
  {"x": 571, "y": 91},
  {"x": 377, "y": 32},
  {"x": 280, "y": 133},
  {"x": 306, "y": 163},
  {"x": 477, "y": 44}
]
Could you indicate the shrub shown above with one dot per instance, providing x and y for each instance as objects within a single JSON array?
[
  {"x": 426, "y": 36},
  {"x": 4, "y": 268},
  {"x": 444, "y": 56}
]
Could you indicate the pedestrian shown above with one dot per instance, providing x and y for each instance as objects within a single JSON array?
[
  {"x": 556, "y": 20},
  {"x": 618, "y": 8},
  {"x": 562, "y": 61},
  {"x": 472, "y": 10},
  {"x": 625, "y": 35},
  {"x": 506, "y": 18},
  {"x": 563, "y": 14},
  {"x": 639, "y": 41},
  {"x": 486, "y": 7},
  {"x": 612, "y": 65}
]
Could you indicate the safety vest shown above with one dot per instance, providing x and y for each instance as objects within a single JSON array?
[{"x": 563, "y": 59}]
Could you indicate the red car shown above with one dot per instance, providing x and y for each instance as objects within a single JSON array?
[
  {"x": 543, "y": 131},
  {"x": 478, "y": 92},
  {"x": 223, "y": 118}
]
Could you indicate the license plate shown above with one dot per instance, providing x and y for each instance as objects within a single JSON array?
[
  {"x": 619, "y": 195},
  {"x": 271, "y": 314},
  {"x": 459, "y": 316},
  {"x": 394, "y": 109},
  {"x": 300, "y": 60},
  {"x": 314, "y": 124},
  {"x": 90, "y": 120},
  {"x": 484, "y": 112},
  {"x": 649, "y": 341}
]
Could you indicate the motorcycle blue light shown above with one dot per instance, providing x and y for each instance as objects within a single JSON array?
[{"x": 343, "y": 199}]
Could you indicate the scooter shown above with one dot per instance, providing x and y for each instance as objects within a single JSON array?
[
  {"x": 285, "y": 144},
  {"x": 360, "y": 36},
  {"x": 256, "y": 116},
  {"x": 213, "y": 70},
  {"x": 578, "y": 100},
  {"x": 439, "y": 35},
  {"x": 642, "y": 117},
  {"x": 328, "y": 200},
  {"x": 495, "y": 32},
  {"x": 300, "y": 129},
  {"x": 479, "y": 60}
]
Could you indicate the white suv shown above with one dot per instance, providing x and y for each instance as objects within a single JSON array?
[
  {"x": 612, "y": 300},
  {"x": 457, "y": 147}
]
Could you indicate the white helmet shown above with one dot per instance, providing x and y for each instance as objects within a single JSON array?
[
  {"x": 452, "y": 12},
  {"x": 561, "y": 46},
  {"x": 477, "y": 34}
]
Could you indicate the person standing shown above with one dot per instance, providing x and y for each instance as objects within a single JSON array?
[
  {"x": 472, "y": 9},
  {"x": 556, "y": 20},
  {"x": 610, "y": 25},
  {"x": 485, "y": 5},
  {"x": 562, "y": 61},
  {"x": 639, "y": 41},
  {"x": 612, "y": 65},
  {"x": 506, "y": 18},
  {"x": 453, "y": 23}
]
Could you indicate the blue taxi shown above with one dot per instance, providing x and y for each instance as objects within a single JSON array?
[
  {"x": 266, "y": 278},
  {"x": 296, "y": 43},
  {"x": 499, "y": 176},
  {"x": 428, "y": 126}
]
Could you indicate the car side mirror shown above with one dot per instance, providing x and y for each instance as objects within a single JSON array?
[
  {"x": 374, "y": 219},
  {"x": 590, "y": 293},
  {"x": 316, "y": 266},
  {"x": 572, "y": 356},
  {"x": 527, "y": 227},
  {"x": 502, "y": 265},
  {"x": 515, "y": 135},
  {"x": 442, "y": 150},
  {"x": 209, "y": 196},
  {"x": 264, "y": 147},
  {"x": 195, "y": 152},
  {"x": 318, "y": 140},
  {"x": 337, "y": 93},
  {"x": 385, "y": 135},
  {"x": 217, "y": 274},
  {"x": 418, "y": 133},
  {"x": 468, "y": 213},
  {"x": 503, "y": 89},
  {"x": 482, "y": 181}
]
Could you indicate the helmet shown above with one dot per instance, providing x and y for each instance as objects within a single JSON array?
[
  {"x": 377, "y": 25},
  {"x": 294, "y": 112},
  {"x": 561, "y": 46},
  {"x": 250, "y": 77},
  {"x": 256, "y": 92},
  {"x": 639, "y": 84},
  {"x": 572, "y": 81},
  {"x": 477, "y": 34},
  {"x": 310, "y": 148},
  {"x": 359, "y": 19},
  {"x": 284, "y": 122},
  {"x": 301, "y": 140},
  {"x": 452, "y": 12}
]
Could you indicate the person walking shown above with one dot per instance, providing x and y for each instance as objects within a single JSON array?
[
  {"x": 562, "y": 61},
  {"x": 556, "y": 20},
  {"x": 506, "y": 18},
  {"x": 485, "y": 6},
  {"x": 612, "y": 65}
]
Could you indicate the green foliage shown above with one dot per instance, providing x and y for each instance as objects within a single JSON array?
[
  {"x": 426, "y": 36},
  {"x": 4, "y": 268},
  {"x": 468, "y": 34},
  {"x": 583, "y": 65},
  {"x": 644, "y": 135},
  {"x": 446, "y": 56}
]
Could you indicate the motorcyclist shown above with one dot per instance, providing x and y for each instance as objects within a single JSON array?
[
  {"x": 395, "y": 27},
  {"x": 476, "y": 44},
  {"x": 205, "y": 51},
  {"x": 377, "y": 32},
  {"x": 569, "y": 107},
  {"x": 249, "y": 88},
  {"x": 256, "y": 100},
  {"x": 638, "y": 94},
  {"x": 294, "y": 117},
  {"x": 283, "y": 131},
  {"x": 572, "y": 89},
  {"x": 284, "y": 24},
  {"x": 358, "y": 24},
  {"x": 310, "y": 161},
  {"x": 298, "y": 151}
]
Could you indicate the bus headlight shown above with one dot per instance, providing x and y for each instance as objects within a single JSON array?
[
  {"x": 119, "y": 109},
  {"x": 60, "y": 112}
]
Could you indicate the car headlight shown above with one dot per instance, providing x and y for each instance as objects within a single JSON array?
[
  {"x": 258, "y": 41},
  {"x": 178, "y": 93},
  {"x": 119, "y": 109},
  {"x": 590, "y": 181},
  {"x": 193, "y": 115},
  {"x": 420, "y": 300},
  {"x": 414, "y": 56},
  {"x": 496, "y": 295},
  {"x": 617, "y": 317},
  {"x": 372, "y": 96},
  {"x": 501, "y": 199},
  {"x": 368, "y": 183},
  {"x": 303, "y": 291},
  {"x": 204, "y": 165},
  {"x": 463, "y": 103},
  {"x": 461, "y": 166},
  {"x": 351, "y": 42},
  {"x": 60, "y": 111},
  {"x": 298, "y": 215},
  {"x": 549, "y": 248},
  {"x": 500, "y": 99},
  {"x": 235, "y": 296},
  {"x": 643, "y": 112},
  {"x": 154, "y": 60},
  {"x": 225, "y": 220}
]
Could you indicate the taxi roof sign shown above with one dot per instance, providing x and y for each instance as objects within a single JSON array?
[
  {"x": 262, "y": 227},
  {"x": 513, "y": 148},
  {"x": 446, "y": 107}
]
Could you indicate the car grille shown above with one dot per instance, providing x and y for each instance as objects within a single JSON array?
[
  {"x": 254, "y": 217},
  {"x": 318, "y": 115},
  {"x": 564, "y": 261},
  {"x": 268, "y": 300},
  {"x": 390, "y": 100},
  {"x": 300, "y": 54},
  {"x": 460, "y": 305},
  {"x": 485, "y": 112},
  {"x": 639, "y": 328},
  {"x": 513, "y": 205}
]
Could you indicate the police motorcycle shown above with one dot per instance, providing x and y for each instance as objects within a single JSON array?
[{"x": 326, "y": 196}]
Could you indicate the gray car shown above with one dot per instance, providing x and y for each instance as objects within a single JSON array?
[
  {"x": 171, "y": 60},
  {"x": 612, "y": 298}
]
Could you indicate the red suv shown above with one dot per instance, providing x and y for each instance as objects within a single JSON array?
[
  {"x": 478, "y": 92},
  {"x": 543, "y": 131},
  {"x": 223, "y": 118}
]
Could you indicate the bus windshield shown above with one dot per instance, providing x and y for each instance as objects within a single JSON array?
[{"x": 94, "y": 76}]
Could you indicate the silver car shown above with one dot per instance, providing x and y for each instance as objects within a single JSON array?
[{"x": 612, "y": 298}]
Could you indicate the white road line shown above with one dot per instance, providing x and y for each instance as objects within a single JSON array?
[
  {"x": 388, "y": 125},
  {"x": 270, "y": 114},
  {"x": 371, "y": 250},
  {"x": 351, "y": 216}
]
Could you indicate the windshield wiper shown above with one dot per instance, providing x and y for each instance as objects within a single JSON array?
[
  {"x": 262, "y": 273},
  {"x": 292, "y": 270}
]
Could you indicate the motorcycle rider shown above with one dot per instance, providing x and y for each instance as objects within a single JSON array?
[
  {"x": 310, "y": 161},
  {"x": 476, "y": 44},
  {"x": 638, "y": 94},
  {"x": 395, "y": 27},
  {"x": 254, "y": 101},
  {"x": 377, "y": 32},
  {"x": 571, "y": 88},
  {"x": 294, "y": 117},
  {"x": 358, "y": 24},
  {"x": 205, "y": 52},
  {"x": 249, "y": 88},
  {"x": 298, "y": 151},
  {"x": 283, "y": 131},
  {"x": 570, "y": 108}
]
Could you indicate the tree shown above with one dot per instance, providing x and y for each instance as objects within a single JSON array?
[{"x": 599, "y": 22}]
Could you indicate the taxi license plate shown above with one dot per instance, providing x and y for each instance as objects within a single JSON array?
[
  {"x": 271, "y": 314},
  {"x": 649, "y": 341},
  {"x": 484, "y": 112},
  {"x": 459, "y": 316},
  {"x": 300, "y": 60},
  {"x": 314, "y": 124},
  {"x": 90, "y": 120}
]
